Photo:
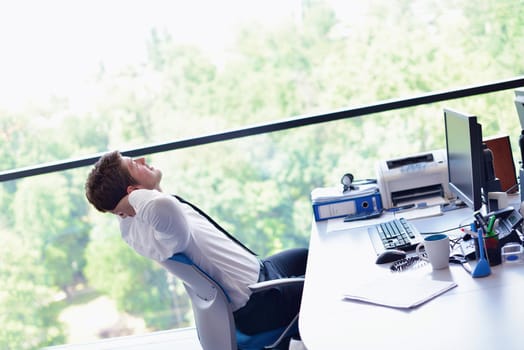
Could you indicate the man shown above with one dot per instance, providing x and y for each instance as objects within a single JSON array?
[{"x": 157, "y": 225}]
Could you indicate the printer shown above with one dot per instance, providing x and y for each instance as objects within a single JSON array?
[{"x": 409, "y": 179}]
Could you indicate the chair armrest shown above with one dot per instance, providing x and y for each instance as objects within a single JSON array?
[{"x": 260, "y": 286}]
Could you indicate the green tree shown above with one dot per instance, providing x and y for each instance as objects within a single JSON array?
[
  {"x": 137, "y": 285},
  {"x": 45, "y": 209},
  {"x": 28, "y": 317}
]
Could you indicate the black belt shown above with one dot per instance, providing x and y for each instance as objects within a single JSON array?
[{"x": 268, "y": 271}]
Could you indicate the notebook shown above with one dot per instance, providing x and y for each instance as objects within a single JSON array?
[{"x": 396, "y": 291}]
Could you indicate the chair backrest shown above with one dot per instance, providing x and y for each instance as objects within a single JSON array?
[
  {"x": 212, "y": 311},
  {"x": 211, "y": 306}
]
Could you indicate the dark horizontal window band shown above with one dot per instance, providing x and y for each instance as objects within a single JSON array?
[{"x": 379, "y": 107}]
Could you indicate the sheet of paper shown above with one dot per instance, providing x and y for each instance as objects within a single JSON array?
[
  {"x": 419, "y": 213},
  {"x": 399, "y": 291},
  {"x": 338, "y": 224},
  {"x": 427, "y": 201},
  {"x": 326, "y": 194}
]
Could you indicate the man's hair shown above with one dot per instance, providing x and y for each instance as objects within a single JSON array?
[{"x": 107, "y": 182}]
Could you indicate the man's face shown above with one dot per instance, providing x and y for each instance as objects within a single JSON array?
[{"x": 146, "y": 176}]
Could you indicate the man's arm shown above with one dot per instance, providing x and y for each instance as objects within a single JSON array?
[{"x": 159, "y": 210}]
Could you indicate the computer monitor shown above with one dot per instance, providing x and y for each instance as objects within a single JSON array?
[
  {"x": 519, "y": 104},
  {"x": 465, "y": 157}
]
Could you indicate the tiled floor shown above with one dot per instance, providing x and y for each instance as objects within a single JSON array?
[{"x": 184, "y": 339}]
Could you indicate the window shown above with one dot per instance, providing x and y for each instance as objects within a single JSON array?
[{"x": 78, "y": 79}]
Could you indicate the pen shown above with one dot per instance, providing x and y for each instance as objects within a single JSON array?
[{"x": 490, "y": 226}]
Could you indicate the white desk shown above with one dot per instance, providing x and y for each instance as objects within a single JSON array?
[{"x": 481, "y": 313}]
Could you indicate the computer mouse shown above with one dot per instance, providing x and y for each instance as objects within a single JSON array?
[{"x": 390, "y": 255}]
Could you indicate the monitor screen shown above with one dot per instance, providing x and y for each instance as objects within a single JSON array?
[
  {"x": 465, "y": 157},
  {"x": 519, "y": 103}
]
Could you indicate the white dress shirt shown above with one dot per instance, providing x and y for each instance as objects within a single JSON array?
[{"x": 163, "y": 226}]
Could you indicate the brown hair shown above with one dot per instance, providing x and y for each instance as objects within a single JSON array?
[{"x": 107, "y": 182}]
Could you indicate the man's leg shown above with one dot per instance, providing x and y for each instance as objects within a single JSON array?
[
  {"x": 278, "y": 306},
  {"x": 289, "y": 263}
]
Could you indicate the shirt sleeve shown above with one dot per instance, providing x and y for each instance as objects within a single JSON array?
[{"x": 162, "y": 212}]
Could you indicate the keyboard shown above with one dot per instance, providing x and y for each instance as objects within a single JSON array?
[{"x": 397, "y": 233}]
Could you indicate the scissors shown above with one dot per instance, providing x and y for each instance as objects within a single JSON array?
[{"x": 461, "y": 260}]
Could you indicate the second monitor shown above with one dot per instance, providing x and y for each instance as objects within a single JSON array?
[{"x": 470, "y": 163}]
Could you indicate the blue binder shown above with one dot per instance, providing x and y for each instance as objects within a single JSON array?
[{"x": 328, "y": 203}]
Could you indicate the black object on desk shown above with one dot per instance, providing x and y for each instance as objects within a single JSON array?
[
  {"x": 363, "y": 216},
  {"x": 390, "y": 255},
  {"x": 402, "y": 207},
  {"x": 461, "y": 260}
]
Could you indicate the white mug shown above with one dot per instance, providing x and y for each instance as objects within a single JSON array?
[{"x": 437, "y": 250}]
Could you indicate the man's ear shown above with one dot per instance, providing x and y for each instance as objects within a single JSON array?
[{"x": 131, "y": 188}]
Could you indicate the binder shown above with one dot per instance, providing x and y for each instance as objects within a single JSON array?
[{"x": 331, "y": 202}]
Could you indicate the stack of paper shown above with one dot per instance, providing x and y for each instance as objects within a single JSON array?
[
  {"x": 328, "y": 194},
  {"x": 397, "y": 291}
]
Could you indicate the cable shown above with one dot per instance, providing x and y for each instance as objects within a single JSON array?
[
  {"x": 409, "y": 262},
  {"x": 460, "y": 226},
  {"x": 453, "y": 242}
]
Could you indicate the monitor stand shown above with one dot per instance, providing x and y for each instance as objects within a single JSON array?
[{"x": 491, "y": 182}]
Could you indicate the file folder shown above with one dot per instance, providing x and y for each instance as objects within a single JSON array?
[{"x": 329, "y": 203}]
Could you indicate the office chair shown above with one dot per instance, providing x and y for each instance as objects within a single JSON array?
[{"x": 212, "y": 309}]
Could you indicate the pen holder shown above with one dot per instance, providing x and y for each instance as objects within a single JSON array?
[{"x": 492, "y": 245}]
